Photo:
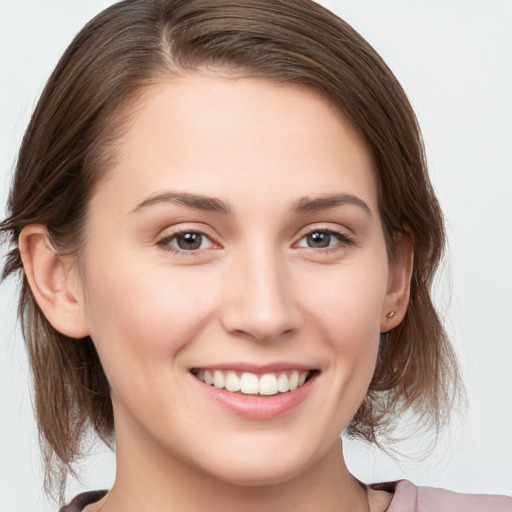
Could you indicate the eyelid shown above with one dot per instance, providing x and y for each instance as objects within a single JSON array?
[
  {"x": 344, "y": 236},
  {"x": 346, "y": 239},
  {"x": 163, "y": 241}
]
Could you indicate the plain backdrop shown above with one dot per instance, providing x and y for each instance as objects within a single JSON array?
[{"x": 454, "y": 59}]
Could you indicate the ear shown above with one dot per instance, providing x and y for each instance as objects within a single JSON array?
[
  {"x": 399, "y": 284},
  {"x": 54, "y": 282}
]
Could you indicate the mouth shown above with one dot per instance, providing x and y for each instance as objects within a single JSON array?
[{"x": 249, "y": 383}]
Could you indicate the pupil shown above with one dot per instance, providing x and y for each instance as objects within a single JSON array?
[
  {"x": 189, "y": 241},
  {"x": 319, "y": 239}
]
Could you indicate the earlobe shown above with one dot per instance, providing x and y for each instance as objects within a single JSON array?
[
  {"x": 399, "y": 284},
  {"x": 53, "y": 282}
]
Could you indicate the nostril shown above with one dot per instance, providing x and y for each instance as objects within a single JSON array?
[{"x": 261, "y": 324}]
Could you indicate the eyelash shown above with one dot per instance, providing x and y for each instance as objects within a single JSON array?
[
  {"x": 165, "y": 242},
  {"x": 343, "y": 241}
]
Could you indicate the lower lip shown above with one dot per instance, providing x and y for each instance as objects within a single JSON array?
[{"x": 259, "y": 407}]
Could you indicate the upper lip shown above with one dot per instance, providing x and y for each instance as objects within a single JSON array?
[{"x": 255, "y": 368}]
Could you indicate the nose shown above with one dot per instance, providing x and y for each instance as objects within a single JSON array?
[{"x": 261, "y": 304}]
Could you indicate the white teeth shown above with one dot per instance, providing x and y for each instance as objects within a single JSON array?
[
  {"x": 252, "y": 384},
  {"x": 294, "y": 380},
  {"x": 208, "y": 377},
  {"x": 218, "y": 379},
  {"x": 249, "y": 383},
  {"x": 268, "y": 384},
  {"x": 232, "y": 382},
  {"x": 283, "y": 383}
]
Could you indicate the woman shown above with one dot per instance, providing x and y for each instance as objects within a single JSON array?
[{"x": 226, "y": 229}]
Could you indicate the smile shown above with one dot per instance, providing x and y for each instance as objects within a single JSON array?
[{"x": 248, "y": 383}]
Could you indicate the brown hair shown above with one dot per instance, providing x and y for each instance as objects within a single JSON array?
[{"x": 70, "y": 142}]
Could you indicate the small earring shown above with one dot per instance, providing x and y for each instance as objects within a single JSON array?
[{"x": 391, "y": 314}]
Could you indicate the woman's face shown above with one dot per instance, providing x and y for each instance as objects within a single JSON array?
[{"x": 238, "y": 239}]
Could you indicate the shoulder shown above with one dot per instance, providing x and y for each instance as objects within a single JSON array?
[
  {"x": 82, "y": 500},
  {"x": 409, "y": 498}
]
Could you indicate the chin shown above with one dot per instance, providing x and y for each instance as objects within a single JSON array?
[
  {"x": 260, "y": 470},
  {"x": 257, "y": 477}
]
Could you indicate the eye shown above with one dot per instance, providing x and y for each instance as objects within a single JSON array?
[
  {"x": 323, "y": 239},
  {"x": 186, "y": 241}
]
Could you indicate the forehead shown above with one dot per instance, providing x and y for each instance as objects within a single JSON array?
[{"x": 217, "y": 134}]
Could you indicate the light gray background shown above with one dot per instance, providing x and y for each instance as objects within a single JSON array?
[{"x": 453, "y": 58}]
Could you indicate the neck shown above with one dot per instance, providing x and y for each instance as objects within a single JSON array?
[{"x": 147, "y": 480}]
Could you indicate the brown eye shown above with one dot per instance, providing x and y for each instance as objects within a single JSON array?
[
  {"x": 189, "y": 241},
  {"x": 186, "y": 241},
  {"x": 325, "y": 239},
  {"x": 318, "y": 239}
]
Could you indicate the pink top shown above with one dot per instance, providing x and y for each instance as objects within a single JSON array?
[{"x": 407, "y": 498}]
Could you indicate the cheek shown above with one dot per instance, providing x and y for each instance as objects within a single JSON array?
[
  {"x": 346, "y": 311},
  {"x": 347, "y": 298},
  {"x": 139, "y": 317}
]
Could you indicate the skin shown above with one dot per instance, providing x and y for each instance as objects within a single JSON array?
[{"x": 254, "y": 291}]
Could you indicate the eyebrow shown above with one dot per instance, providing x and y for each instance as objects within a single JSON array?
[
  {"x": 211, "y": 204},
  {"x": 194, "y": 201},
  {"x": 308, "y": 204}
]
